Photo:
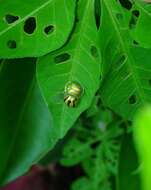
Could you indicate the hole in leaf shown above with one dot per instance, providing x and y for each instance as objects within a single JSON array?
[
  {"x": 62, "y": 58},
  {"x": 135, "y": 13},
  {"x": 126, "y": 4},
  {"x": 134, "y": 18},
  {"x": 94, "y": 51},
  {"x": 11, "y": 18},
  {"x": 49, "y": 29},
  {"x": 97, "y": 12},
  {"x": 135, "y": 42},
  {"x": 132, "y": 99},
  {"x": 30, "y": 25},
  {"x": 11, "y": 44}
]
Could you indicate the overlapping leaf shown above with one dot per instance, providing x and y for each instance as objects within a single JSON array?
[
  {"x": 126, "y": 63},
  {"x": 34, "y": 28},
  {"x": 78, "y": 61},
  {"x": 25, "y": 122}
]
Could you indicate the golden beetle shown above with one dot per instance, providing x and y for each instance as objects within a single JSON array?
[{"x": 72, "y": 93}]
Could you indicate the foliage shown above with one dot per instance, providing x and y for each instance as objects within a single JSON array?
[
  {"x": 105, "y": 47},
  {"x": 96, "y": 148}
]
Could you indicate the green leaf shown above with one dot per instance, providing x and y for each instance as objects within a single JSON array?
[
  {"x": 95, "y": 165},
  {"x": 82, "y": 184},
  {"x": 103, "y": 162},
  {"x": 75, "y": 152},
  {"x": 96, "y": 149},
  {"x": 126, "y": 64},
  {"x": 142, "y": 29},
  {"x": 34, "y": 28},
  {"x": 127, "y": 177},
  {"x": 142, "y": 131},
  {"x": 78, "y": 61},
  {"x": 26, "y": 123}
]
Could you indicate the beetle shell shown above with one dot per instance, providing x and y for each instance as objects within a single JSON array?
[{"x": 72, "y": 94}]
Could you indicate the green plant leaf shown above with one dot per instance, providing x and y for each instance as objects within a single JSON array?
[
  {"x": 127, "y": 177},
  {"x": 103, "y": 162},
  {"x": 126, "y": 64},
  {"x": 78, "y": 61},
  {"x": 142, "y": 29},
  {"x": 75, "y": 151},
  {"x": 96, "y": 149},
  {"x": 26, "y": 123},
  {"x": 34, "y": 28},
  {"x": 82, "y": 183},
  {"x": 142, "y": 131}
]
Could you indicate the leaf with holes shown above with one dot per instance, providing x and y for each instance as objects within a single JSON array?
[
  {"x": 140, "y": 21},
  {"x": 26, "y": 124},
  {"x": 140, "y": 25},
  {"x": 35, "y": 28},
  {"x": 78, "y": 61},
  {"x": 126, "y": 65}
]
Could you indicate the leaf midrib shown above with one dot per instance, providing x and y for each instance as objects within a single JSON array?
[
  {"x": 130, "y": 57},
  {"x": 80, "y": 31}
]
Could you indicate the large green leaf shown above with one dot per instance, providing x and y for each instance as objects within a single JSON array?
[
  {"x": 34, "y": 28},
  {"x": 25, "y": 122},
  {"x": 126, "y": 64},
  {"x": 78, "y": 61}
]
